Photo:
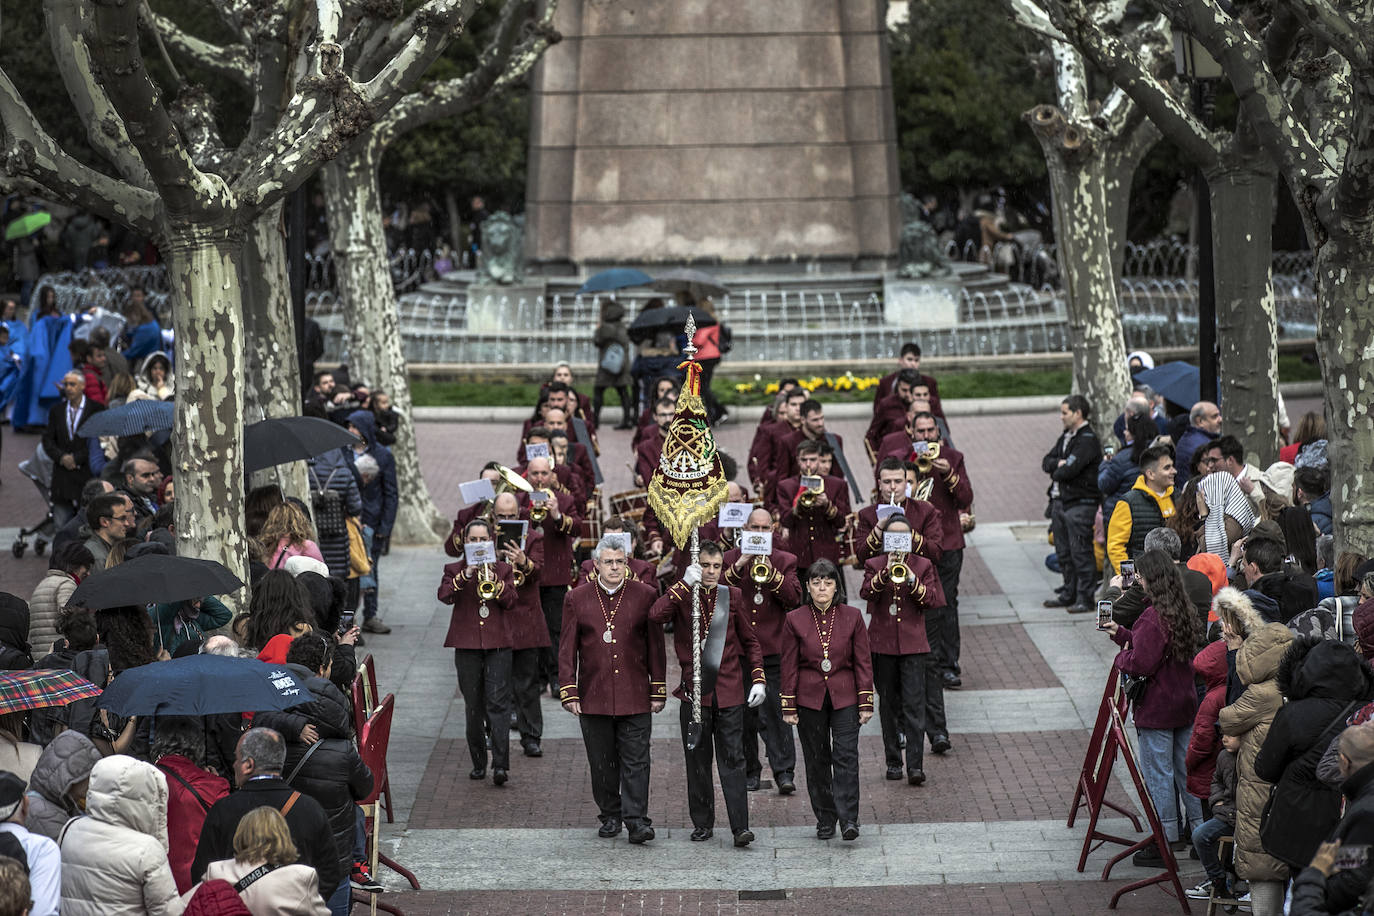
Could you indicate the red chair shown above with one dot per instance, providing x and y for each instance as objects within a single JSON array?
[
  {"x": 360, "y": 710},
  {"x": 367, "y": 673},
  {"x": 372, "y": 745}
]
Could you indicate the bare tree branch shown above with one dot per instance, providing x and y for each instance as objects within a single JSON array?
[
  {"x": 1029, "y": 15},
  {"x": 193, "y": 112},
  {"x": 1325, "y": 22},
  {"x": 230, "y": 62}
]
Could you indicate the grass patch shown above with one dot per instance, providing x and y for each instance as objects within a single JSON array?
[{"x": 1293, "y": 368}]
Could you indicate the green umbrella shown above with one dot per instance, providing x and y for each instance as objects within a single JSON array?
[{"x": 27, "y": 225}]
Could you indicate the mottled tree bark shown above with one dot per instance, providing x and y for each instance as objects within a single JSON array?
[
  {"x": 1247, "y": 329},
  {"x": 1078, "y": 185},
  {"x": 354, "y": 201},
  {"x": 272, "y": 380}
]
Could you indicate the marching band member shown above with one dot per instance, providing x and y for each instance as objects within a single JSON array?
[
  {"x": 762, "y": 471},
  {"x": 612, "y": 665},
  {"x": 889, "y": 413},
  {"x": 529, "y": 633},
  {"x": 560, "y": 519},
  {"x": 651, "y": 443},
  {"x": 453, "y": 546},
  {"x": 481, "y": 596},
  {"x": 812, "y": 429},
  {"x": 927, "y": 535},
  {"x": 639, "y": 570},
  {"x": 813, "y": 517},
  {"x": 827, "y": 692}
]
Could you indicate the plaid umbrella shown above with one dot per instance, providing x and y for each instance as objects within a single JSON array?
[{"x": 21, "y": 690}]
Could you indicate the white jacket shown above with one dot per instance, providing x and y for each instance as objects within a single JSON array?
[
  {"x": 292, "y": 890},
  {"x": 114, "y": 860}
]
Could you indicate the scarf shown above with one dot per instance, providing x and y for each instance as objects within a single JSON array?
[{"x": 1224, "y": 497}]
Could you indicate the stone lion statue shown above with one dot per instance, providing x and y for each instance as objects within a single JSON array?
[
  {"x": 502, "y": 260},
  {"x": 919, "y": 254}
]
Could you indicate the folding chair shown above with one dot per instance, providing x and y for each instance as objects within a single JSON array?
[
  {"x": 367, "y": 673},
  {"x": 372, "y": 746}
]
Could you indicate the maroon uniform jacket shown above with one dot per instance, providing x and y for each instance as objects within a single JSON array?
[
  {"x": 568, "y": 480},
  {"x": 560, "y": 537},
  {"x": 454, "y": 545},
  {"x": 616, "y": 678},
  {"x": 885, "y": 388},
  {"x": 901, "y": 631},
  {"x": 951, "y": 495},
  {"x": 761, "y": 463},
  {"x": 784, "y": 462},
  {"x": 850, "y": 678},
  {"x": 927, "y": 531},
  {"x": 889, "y": 416},
  {"x": 709, "y": 532},
  {"x": 780, "y": 594},
  {"x": 894, "y": 445},
  {"x": 525, "y": 619},
  {"x": 647, "y": 453},
  {"x": 467, "y": 628},
  {"x": 812, "y": 532},
  {"x": 640, "y": 571},
  {"x": 741, "y": 646}
]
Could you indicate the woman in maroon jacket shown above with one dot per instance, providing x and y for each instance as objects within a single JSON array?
[
  {"x": 1160, "y": 647},
  {"x": 827, "y": 692}
]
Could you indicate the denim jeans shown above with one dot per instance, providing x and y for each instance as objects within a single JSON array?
[
  {"x": 1205, "y": 840},
  {"x": 342, "y": 900},
  {"x": 1162, "y": 753}
]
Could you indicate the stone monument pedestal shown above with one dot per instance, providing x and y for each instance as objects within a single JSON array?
[
  {"x": 926, "y": 303},
  {"x": 518, "y": 307}
]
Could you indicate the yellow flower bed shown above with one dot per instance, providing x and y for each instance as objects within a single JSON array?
[{"x": 847, "y": 382}]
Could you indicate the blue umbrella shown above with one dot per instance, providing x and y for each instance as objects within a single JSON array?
[
  {"x": 203, "y": 685},
  {"x": 615, "y": 278},
  {"x": 130, "y": 419},
  {"x": 1178, "y": 382}
]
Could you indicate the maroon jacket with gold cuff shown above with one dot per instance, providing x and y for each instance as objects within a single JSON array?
[
  {"x": 467, "y": 628},
  {"x": 616, "y": 678},
  {"x": 780, "y": 594},
  {"x": 850, "y": 678},
  {"x": 560, "y": 537},
  {"x": 525, "y": 619},
  {"x": 927, "y": 531},
  {"x": 741, "y": 645},
  {"x": 897, "y": 613}
]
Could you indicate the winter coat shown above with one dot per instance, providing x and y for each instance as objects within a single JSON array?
[
  {"x": 292, "y": 890},
  {"x": 1221, "y": 794},
  {"x": 1320, "y": 680},
  {"x": 1170, "y": 700},
  {"x": 48, "y": 600},
  {"x": 334, "y": 775},
  {"x": 66, "y": 760},
  {"x": 1295, "y": 592},
  {"x": 1320, "y": 510},
  {"x": 1249, "y": 717},
  {"x": 1333, "y": 618},
  {"x": 114, "y": 860},
  {"x": 19, "y": 757},
  {"x": 612, "y": 330},
  {"x": 1137, "y": 513},
  {"x": 1115, "y": 477},
  {"x": 215, "y": 898},
  {"x": 1342, "y": 890},
  {"x": 174, "y": 628},
  {"x": 380, "y": 497},
  {"x": 1077, "y": 477},
  {"x": 161, "y": 392},
  {"x": 14, "y": 633},
  {"x": 144, "y": 340},
  {"x": 1193, "y": 438},
  {"x": 1203, "y": 747},
  {"x": 186, "y": 812},
  {"x": 332, "y": 470}
]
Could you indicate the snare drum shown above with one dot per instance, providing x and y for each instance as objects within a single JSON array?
[{"x": 625, "y": 502}]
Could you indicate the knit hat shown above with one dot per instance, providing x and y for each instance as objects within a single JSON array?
[
  {"x": 274, "y": 653},
  {"x": 302, "y": 564},
  {"x": 11, "y": 794},
  {"x": 1211, "y": 566}
]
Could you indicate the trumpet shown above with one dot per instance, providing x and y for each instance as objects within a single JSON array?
[
  {"x": 486, "y": 583},
  {"x": 760, "y": 572},
  {"x": 539, "y": 511},
  {"x": 897, "y": 569},
  {"x": 925, "y": 461},
  {"x": 808, "y": 496}
]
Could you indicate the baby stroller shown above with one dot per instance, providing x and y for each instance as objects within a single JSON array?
[{"x": 39, "y": 470}]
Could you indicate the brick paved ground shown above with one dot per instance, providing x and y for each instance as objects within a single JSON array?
[{"x": 1002, "y": 657}]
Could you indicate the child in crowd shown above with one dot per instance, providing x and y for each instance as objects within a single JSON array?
[{"x": 1207, "y": 837}]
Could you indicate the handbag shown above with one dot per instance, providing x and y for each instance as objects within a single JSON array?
[
  {"x": 327, "y": 506},
  {"x": 1317, "y": 810},
  {"x": 359, "y": 563},
  {"x": 1133, "y": 685}
]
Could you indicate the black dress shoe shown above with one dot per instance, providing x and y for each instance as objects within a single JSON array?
[
  {"x": 825, "y": 831},
  {"x": 498, "y": 776},
  {"x": 751, "y": 784},
  {"x": 849, "y": 832},
  {"x": 1057, "y": 601},
  {"x": 894, "y": 773},
  {"x": 477, "y": 773},
  {"x": 532, "y": 748},
  {"x": 701, "y": 834},
  {"x": 641, "y": 834},
  {"x": 609, "y": 828},
  {"x": 915, "y": 778},
  {"x": 786, "y": 785},
  {"x": 940, "y": 744},
  {"x": 744, "y": 837},
  {"x": 952, "y": 681}
]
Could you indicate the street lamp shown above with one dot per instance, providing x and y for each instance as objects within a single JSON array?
[{"x": 1202, "y": 72}]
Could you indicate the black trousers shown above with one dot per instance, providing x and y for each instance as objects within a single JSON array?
[
  {"x": 627, "y": 410},
  {"x": 1073, "y": 544},
  {"x": 944, "y": 640},
  {"x": 551, "y": 600},
  {"x": 618, "y": 754},
  {"x": 526, "y": 686},
  {"x": 830, "y": 749},
  {"x": 767, "y": 720},
  {"x": 722, "y": 730},
  {"x": 902, "y": 682},
  {"x": 708, "y": 397},
  {"x": 484, "y": 680}
]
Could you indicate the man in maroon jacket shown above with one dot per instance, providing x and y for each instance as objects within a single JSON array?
[
  {"x": 650, "y": 446},
  {"x": 612, "y": 667},
  {"x": 478, "y": 635},
  {"x": 906, "y": 676},
  {"x": 762, "y": 472},
  {"x": 889, "y": 413},
  {"x": 952, "y": 494},
  {"x": 766, "y": 606},
  {"x": 562, "y": 525},
  {"x": 813, "y": 529},
  {"x": 927, "y": 532},
  {"x": 722, "y": 709},
  {"x": 909, "y": 358},
  {"x": 529, "y": 633},
  {"x": 812, "y": 429}
]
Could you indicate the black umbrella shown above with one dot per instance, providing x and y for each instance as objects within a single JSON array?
[
  {"x": 272, "y": 442},
  {"x": 693, "y": 282},
  {"x": 669, "y": 318},
  {"x": 154, "y": 579},
  {"x": 203, "y": 685}
]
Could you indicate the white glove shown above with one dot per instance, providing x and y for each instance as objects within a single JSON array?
[
  {"x": 693, "y": 575},
  {"x": 757, "y": 693}
]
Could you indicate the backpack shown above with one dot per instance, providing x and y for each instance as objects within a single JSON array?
[
  {"x": 727, "y": 340},
  {"x": 328, "y": 507},
  {"x": 216, "y": 898},
  {"x": 613, "y": 358}
]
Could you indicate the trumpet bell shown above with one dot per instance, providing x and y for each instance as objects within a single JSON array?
[
  {"x": 899, "y": 573},
  {"x": 760, "y": 572},
  {"x": 511, "y": 481},
  {"x": 486, "y": 589}
]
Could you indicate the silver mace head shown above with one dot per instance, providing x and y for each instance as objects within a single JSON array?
[{"x": 690, "y": 329}]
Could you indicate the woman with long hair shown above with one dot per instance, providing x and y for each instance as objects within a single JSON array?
[
  {"x": 287, "y": 533},
  {"x": 1300, "y": 536},
  {"x": 827, "y": 692},
  {"x": 1186, "y": 522},
  {"x": 1311, "y": 428},
  {"x": 276, "y": 608},
  {"x": 1160, "y": 647}
]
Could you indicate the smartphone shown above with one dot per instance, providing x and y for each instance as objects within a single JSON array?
[
  {"x": 1127, "y": 572},
  {"x": 1104, "y": 614},
  {"x": 346, "y": 622}
]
